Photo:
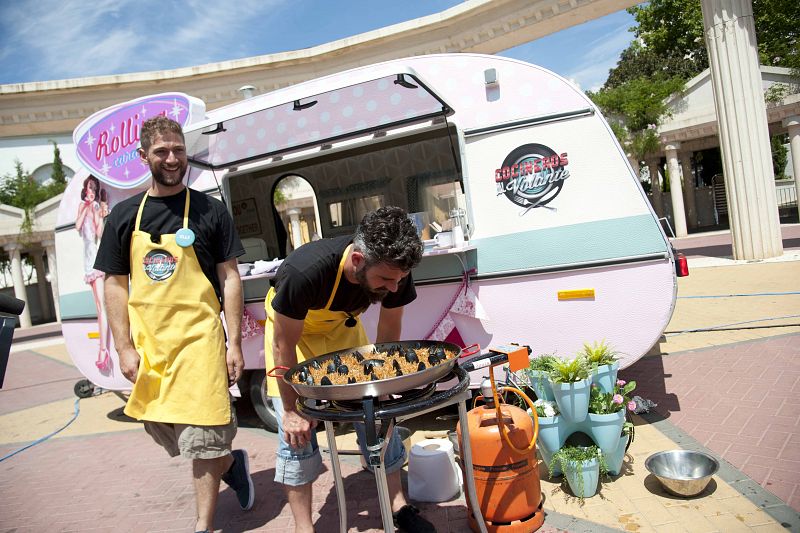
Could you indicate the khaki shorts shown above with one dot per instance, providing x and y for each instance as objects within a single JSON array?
[{"x": 194, "y": 442}]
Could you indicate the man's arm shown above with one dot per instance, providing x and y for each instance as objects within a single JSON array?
[
  {"x": 390, "y": 324},
  {"x": 231, "y": 287},
  {"x": 287, "y": 332},
  {"x": 116, "y": 297}
]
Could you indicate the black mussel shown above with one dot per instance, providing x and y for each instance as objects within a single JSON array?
[
  {"x": 370, "y": 364},
  {"x": 398, "y": 373},
  {"x": 358, "y": 356},
  {"x": 301, "y": 376},
  {"x": 395, "y": 364},
  {"x": 433, "y": 360},
  {"x": 411, "y": 356},
  {"x": 439, "y": 352},
  {"x": 315, "y": 364},
  {"x": 420, "y": 366},
  {"x": 417, "y": 345},
  {"x": 343, "y": 370},
  {"x": 325, "y": 381},
  {"x": 337, "y": 360},
  {"x": 351, "y": 379},
  {"x": 373, "y": 378},
  {"x": 309, "y": 379},
  {"x": 331, "y": 368}
]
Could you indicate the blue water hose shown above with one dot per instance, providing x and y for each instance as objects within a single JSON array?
[{"x": 34, "y": 443}]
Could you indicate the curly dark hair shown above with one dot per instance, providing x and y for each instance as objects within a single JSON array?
[
  {"x": 95, "y": 184},
  {"x": 158, "y": 125},
  {"x": 386, "y": 235}
]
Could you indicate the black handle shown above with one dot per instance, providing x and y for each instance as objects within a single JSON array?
[{"x": 484, "y": 360}]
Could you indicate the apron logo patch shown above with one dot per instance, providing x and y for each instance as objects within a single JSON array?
[{"x": 159, "y": 264}]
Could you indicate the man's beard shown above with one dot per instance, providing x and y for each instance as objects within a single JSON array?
[
  {"x": 374, "y": 295},
  {"x": 161, "y": 179}
]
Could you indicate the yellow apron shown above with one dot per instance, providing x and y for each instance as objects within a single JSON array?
[
  {"x": 176, "y": 328},
  {"x": 324, "y": 331}
]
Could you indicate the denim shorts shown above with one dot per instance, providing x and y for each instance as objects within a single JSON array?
[{"x": 295, "y": 467}]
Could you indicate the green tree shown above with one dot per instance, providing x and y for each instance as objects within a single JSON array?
[
  {"x": 22, "y": 191},
  {"x": 780, "y": 155},
  {"x": 668, "y": 50},
  {"x": 58, "y": 166}
]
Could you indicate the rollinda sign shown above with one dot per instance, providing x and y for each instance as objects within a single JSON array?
[
  {"x": 107, "y": 141},
  {"x": 532, "y": 175}
]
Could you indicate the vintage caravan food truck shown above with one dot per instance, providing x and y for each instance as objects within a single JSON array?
[{"x": 537, "y": 230}]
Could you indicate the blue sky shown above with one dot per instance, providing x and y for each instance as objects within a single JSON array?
[{"x": 56, "y": 39}]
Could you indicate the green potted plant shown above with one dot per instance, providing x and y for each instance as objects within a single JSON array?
[
  {"x": 551, "y": 432},
  {"x": 536, "y": 376},
  {"x": 570, "y": 382},
  {"x": 607, "y": 413},
  {"x": 601, "y": 358},
  {"x": 582, "y": 467}
]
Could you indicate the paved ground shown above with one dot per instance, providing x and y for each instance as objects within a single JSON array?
[{"x": 730, "y": 390}]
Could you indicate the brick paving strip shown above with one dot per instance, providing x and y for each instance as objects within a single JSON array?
[{"x": 739, "y": 402}]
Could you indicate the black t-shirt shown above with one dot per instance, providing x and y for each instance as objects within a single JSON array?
[
  {"x": 216, "y": 240},
  {"x": 305, "y": 280}
]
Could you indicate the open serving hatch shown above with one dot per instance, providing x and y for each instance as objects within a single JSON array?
[{"x": 263, "y": 129}]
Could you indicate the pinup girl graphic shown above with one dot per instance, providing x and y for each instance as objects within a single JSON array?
[{"x": 92, "y": 211}]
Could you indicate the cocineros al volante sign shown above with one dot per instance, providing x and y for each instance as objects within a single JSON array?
[{"x": 532, "y": 175}]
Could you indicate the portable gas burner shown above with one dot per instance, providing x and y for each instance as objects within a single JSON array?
[{"x": 380, "y": 415}]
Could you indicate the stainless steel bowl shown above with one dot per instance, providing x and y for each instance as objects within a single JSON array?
[{"x": 682, "y": 472}]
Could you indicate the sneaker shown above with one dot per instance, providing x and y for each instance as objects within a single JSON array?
[
  {"x": 238, "y": 478},
  {"x": 408, "y": 520}
]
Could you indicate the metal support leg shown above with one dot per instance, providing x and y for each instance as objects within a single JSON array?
[
  {"x": 337, "y": 477},
  {"x": 376, "y": 444},
  {"x": 466, "y": 456}
]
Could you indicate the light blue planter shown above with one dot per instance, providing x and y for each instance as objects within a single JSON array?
[
  {"x": 615, "y": 459},
  {"x": 540, "y": 383},
  {"x": 552, "y": 434},
  {"x": 605, "y": 429},
  {"x": 589, "y": 471},
  {"x": 606, "y": 376},
  {"x": 573, "y": 399}
]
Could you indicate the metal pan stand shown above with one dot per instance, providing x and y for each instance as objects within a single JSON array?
[{"x": 378, "y": 438}]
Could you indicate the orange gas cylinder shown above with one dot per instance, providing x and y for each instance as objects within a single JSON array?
[{"x": 506, "y": 474}]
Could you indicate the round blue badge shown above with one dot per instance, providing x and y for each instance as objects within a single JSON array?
[{"x": 184, "y": 237}]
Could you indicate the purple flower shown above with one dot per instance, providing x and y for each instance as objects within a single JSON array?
[
  {"x": 631, "y": 405},
  {"x": 618, "y": 399},
  {"x": 620, "y": 383}
]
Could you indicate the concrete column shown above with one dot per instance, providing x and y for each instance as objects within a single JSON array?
[
  {"x": 41, "y": 285},
  {"x": 793, "y": 125},
  {"x": 19, "y": 283},
  {"x": 689, "y": 190},
  {"x": 675, "y": 189},
  {"x": 743, "y": 134},
  {"x": 50, "y": 248},
  {"x": 294, "y": 222},
  {"x": 655, "y": 186}
]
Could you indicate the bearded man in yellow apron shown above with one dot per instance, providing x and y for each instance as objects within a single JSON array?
[
  {"x": 179, "y": 248},
  {"x": 320, "y": 291}
]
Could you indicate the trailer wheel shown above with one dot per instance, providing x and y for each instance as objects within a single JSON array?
[
  {"x": 261, "y": 402},
  {"x": 84, "y": 389}
]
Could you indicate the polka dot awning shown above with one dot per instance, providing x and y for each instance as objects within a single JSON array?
[{"x": 342, "y": 113}]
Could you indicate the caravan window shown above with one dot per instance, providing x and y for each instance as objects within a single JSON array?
[{"x": 418, "y": 171}]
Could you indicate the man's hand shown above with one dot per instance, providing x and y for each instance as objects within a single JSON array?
[
  {"x": 129, "y": 363},
  {"x": 296, "y": 429},
  {"x": 235, "y": 362}
]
